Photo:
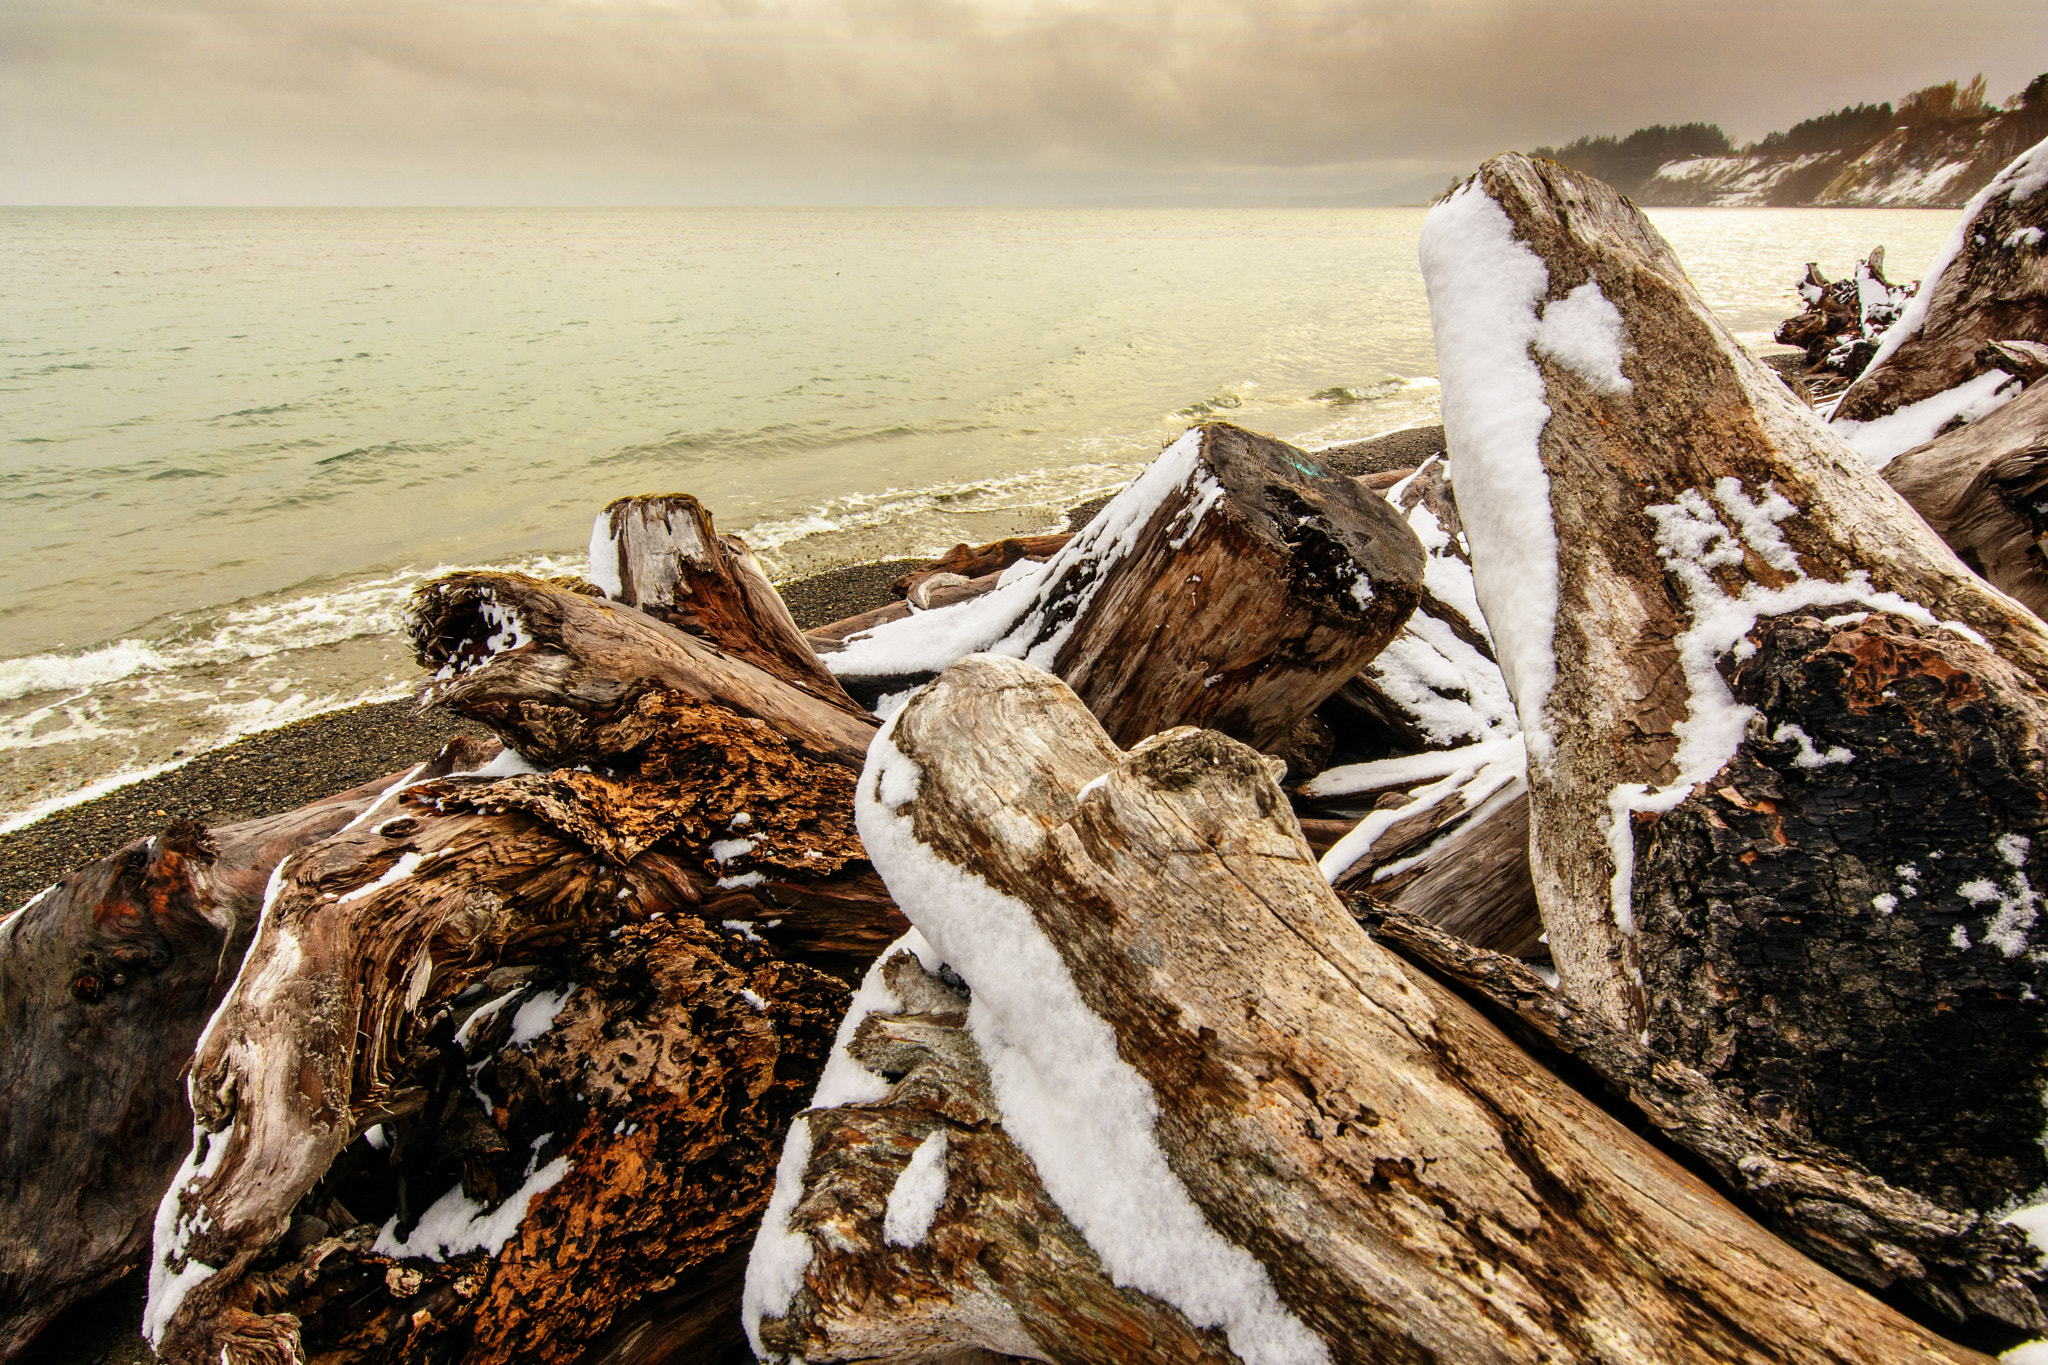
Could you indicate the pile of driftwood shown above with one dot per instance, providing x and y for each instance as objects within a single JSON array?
[
  {"x": 1572, "y": 900},
  {"x": 1844, "y": 320}
]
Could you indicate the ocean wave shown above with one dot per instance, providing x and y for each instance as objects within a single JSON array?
[
  {"x": 235, "y": 634},
  {"x": 912, "y": 510}
]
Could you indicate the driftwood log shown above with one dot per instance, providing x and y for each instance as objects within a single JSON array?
[
  {"x": 1989, "y": 283},
  {"x": 106, "y": 979},
  {"x": 1785, "y": 768},
  {"x": 663, "y": 555},
  {"x": 1983, "y": 487},
  {"x": 500, "y": 1072},
  {"x": 1236, "y": 583},
  {"x": 978, "y": 561},
  {"x": 1257, "y": 1118}
]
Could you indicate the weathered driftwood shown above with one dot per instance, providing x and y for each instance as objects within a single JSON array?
[
  {"x": 1260, "y": 1116},
  {"x": 593, "y": 993},
  {"x": 1983, "y": 487},
  {"x": 1814, "y": 1196},
  {"x": 1989, "y": 283},
  {"x": 477, "y": 1092},
  {"x": 997, "y": 1264},
  {"x": 105, "y": 981},
  {"x": 662, "y": 554},
  {"x": 1720, "y": 867},
  {"x": 1236, "y": 583},
  {"x": 977, "y": 561},
  {"x": 1844, "y": 319},
  {"x": 551, "y": 671},
  {"x": 832, "y": 637}
]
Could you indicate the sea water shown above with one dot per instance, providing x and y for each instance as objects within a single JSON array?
[{"x": 234, "y": 441}]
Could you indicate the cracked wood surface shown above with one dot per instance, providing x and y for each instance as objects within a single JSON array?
[
  {"x": 1417, "y": 1187},
  {"x": 105, "y": 982}
]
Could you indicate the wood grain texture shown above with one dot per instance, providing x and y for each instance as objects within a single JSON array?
[
  {"x": 670, "y": 562},
  {"x": 1982, "y": 488},
  {"x": 105, "y": 982},
  {"x": 1416, "y": 1186},
  {"x": 580, "y": 663}
]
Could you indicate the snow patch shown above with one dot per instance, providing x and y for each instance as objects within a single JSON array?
[
  {"x": 1809, "y": 755},
  {"x": 455, "y": 1223},
  {"x": 1082, "y": 1114},
  {"x": 538, "y": 1015},
  {"x": 781, "y": 1255},
  {"x": 1883, "y": 439},
  {"x": 1484, "y": 287},
  {"x": 915, "y": 1198},
  {"x": 604, "y": 558},
  {"x": 1482, "y": 770}
]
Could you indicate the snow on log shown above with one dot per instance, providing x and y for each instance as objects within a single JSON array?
[
  {"x": 549, "y": 669},
  {"x": 1235, "y": 583},
  {"x": 1814, "y": 1196},
  {"x": 1785, "y": 768},
  {"x": 662, "y": 554},
  {"x": 1983, "y": 487},
  {"x": 1251, "y": 1112},
  {"x": 1988, "y": 283},
  {"x": 105, "y": 981},
  {"x": 907, "y": 1223},
  {"x": 1442, "y": 833}
]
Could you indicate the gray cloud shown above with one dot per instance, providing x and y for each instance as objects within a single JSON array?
[{"x": 850, "y": 101}]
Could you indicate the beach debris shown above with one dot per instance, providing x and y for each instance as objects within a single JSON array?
[
  {"x": 1268, "y": 1131},
  {"x": 977, "y": 561},
  {"x": 1635, "y": 713},
  {"x": 1988, "y": 283},
  {"x": 1845, "y": 319}
]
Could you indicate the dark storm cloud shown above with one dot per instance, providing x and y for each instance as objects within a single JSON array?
[{"x": 705, "y": 100}]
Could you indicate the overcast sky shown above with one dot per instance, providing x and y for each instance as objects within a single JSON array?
[{"x": 909, "y": 101}]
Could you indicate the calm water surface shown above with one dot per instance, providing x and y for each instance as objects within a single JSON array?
[{"x": 231, "y": 441}]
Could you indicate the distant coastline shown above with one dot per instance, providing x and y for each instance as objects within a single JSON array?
[{"x": 1936, "y": 149}]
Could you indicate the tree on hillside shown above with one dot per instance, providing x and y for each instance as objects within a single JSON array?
[
  {"x": 1855, "y": 126},
  {"x": 1615, "y": 159},
  {"x": 1948, "y": 102}
]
